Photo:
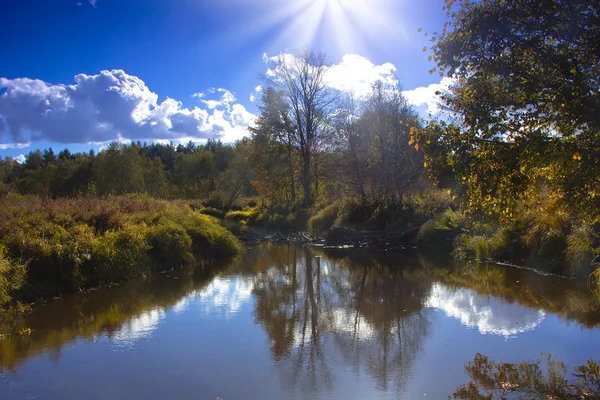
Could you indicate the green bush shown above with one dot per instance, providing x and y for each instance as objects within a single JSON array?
[
  {"x": 12, "y": 277},
  {"x": 428, "y": 203},
  {"x": 441, "y": 230},
  {"x": 484, "y": 245},
  {"x": 71, "y": 245},
  {"x": 582, "y": 247},
  {"x": 213, "y": 212},
  {"x": 324, "y": 219},
  {"x": 247, "y": 215}
]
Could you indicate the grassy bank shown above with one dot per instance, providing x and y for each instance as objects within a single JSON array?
[{"x": 50, "y": 247}]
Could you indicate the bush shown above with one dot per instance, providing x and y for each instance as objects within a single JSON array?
[
  {"x": 213, "y": 212},
  {"x": 428, "y": 203},
  {"x": 482, "y": 246},
  {"x": 441, "y": 230},
  {"x": 75, "y": 244},
  {"x": 247, "y": 215},
  {"x": 215, "y": 200},
  {"x": 582, "y": 248},
  {"x": 324, "y": 219},
  {"x": 12, "y": 277}
]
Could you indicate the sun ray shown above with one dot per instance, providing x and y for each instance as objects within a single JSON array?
[{"x": 343, "y": 26}]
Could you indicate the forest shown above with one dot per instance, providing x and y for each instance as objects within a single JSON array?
[{"x": 509, "y": 170}]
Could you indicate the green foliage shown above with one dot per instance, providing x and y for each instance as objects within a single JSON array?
[
  {"x": 247, "y": 215},
  {"x": 484, "y": 245},
  {"x": 582, "y": 246},
  {"x": 213, "y": 212},
  {"x": 324, "y": 219},
  {"x": 429, "y": 202},
  {"x": 70, "y": 245},
  {"x": 493, "y": 380},
  {"x": 12, "y": 276},
  {"x": 523, "y": 103},
  {"x": 441, "y": 230}
]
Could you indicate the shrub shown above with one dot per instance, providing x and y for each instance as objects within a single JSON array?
[
  {"x": 247, "y": 215},
  {"x": 12, "y": 277},
  {"x": 545, "y": 233},
  {"x": 324, "y": 219},
  {"x": 441, "y": 230},
  {"x": 213, "y": 212},
  {"x": 74, "y": 244},
  {"x": 429, "y": 202},
  {"x": 496, "y": 244},
  {"x": 582, "y": 247}
]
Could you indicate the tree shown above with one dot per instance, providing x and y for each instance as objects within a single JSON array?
[
  {"x": 379, "y": 163},
  {"x": 524, "y": 106},
  {"x": 235, "y": 180},
  {"x": 273, "y": 152},
  {"x": 194, "y": 173},
  {"x": 118, "y": 170},
  {"x": 310, "y": 101}
]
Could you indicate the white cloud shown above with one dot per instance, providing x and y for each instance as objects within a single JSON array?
[
  {"x": 108, "y": 106},
  {"x": 93, "y": 2},
  {"x": 426, "y": 95},
  {"x": 356, "y": 75},
  {"x": 489, "y": 314},
  {"x": 5, "y": 146},
  {"x": 20, "y": 158}
]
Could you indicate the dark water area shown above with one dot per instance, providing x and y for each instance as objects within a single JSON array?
[{"x": 296, "y": 322}]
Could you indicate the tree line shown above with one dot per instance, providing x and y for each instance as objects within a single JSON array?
[{"x": 308, "y": 143}]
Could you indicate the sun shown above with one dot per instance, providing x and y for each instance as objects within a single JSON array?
[{"x": 346, "y": 26}]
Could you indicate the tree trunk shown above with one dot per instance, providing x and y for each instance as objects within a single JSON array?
[{"x": 306, "y": 178}]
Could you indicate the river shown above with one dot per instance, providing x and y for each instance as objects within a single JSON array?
[{"x": 296, "y": 322}]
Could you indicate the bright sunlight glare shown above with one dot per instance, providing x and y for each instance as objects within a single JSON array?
[{"x": 342, "y": 25}]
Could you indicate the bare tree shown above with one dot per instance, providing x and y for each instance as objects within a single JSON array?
[{"x": 302, "y": 79}]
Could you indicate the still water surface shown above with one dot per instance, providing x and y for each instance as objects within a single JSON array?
[{"x": 294, "y": 322}]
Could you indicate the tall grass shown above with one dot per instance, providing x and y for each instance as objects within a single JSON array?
[
  {"x": 324, "y": 219},
  {"x": 73, "y": 244},
  {"x": 441, "y": 230}
]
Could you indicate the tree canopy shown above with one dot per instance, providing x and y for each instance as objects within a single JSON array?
[{"x": 523, "y": 112}]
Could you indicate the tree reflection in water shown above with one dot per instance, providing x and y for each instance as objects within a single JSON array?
[{"x": 320, "y": 311}]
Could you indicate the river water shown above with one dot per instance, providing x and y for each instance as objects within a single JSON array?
[{"x": 296, "y": 322}]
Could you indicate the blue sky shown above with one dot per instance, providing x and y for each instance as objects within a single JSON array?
[{"x": 187, "y": 69}]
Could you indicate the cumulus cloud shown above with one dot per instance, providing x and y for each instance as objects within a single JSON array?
[
  {"x": 20, "y": 158},
  {"x": 426, "y": 95},
  {"x": 356, "y": 75},
  {"x": 489, "y": 314},
  {"x": 108, "y": 106}
]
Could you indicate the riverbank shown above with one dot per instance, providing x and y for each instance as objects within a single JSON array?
[
  {"x": 545, "y": 239},
  {"x": 54, "y": 247}
]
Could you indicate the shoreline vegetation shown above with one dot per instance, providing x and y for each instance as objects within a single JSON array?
[{"x": 54, "y": 247}]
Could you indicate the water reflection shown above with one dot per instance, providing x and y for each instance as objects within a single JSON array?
[
  {"x": 317, "y": 312},
  {"x": 139, "y": 327},
  {"x": 330, "y": 318},
  {"x": 490, "y": 315}
]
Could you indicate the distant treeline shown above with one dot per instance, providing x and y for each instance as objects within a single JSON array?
[{"x": 160, "y": 170}]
